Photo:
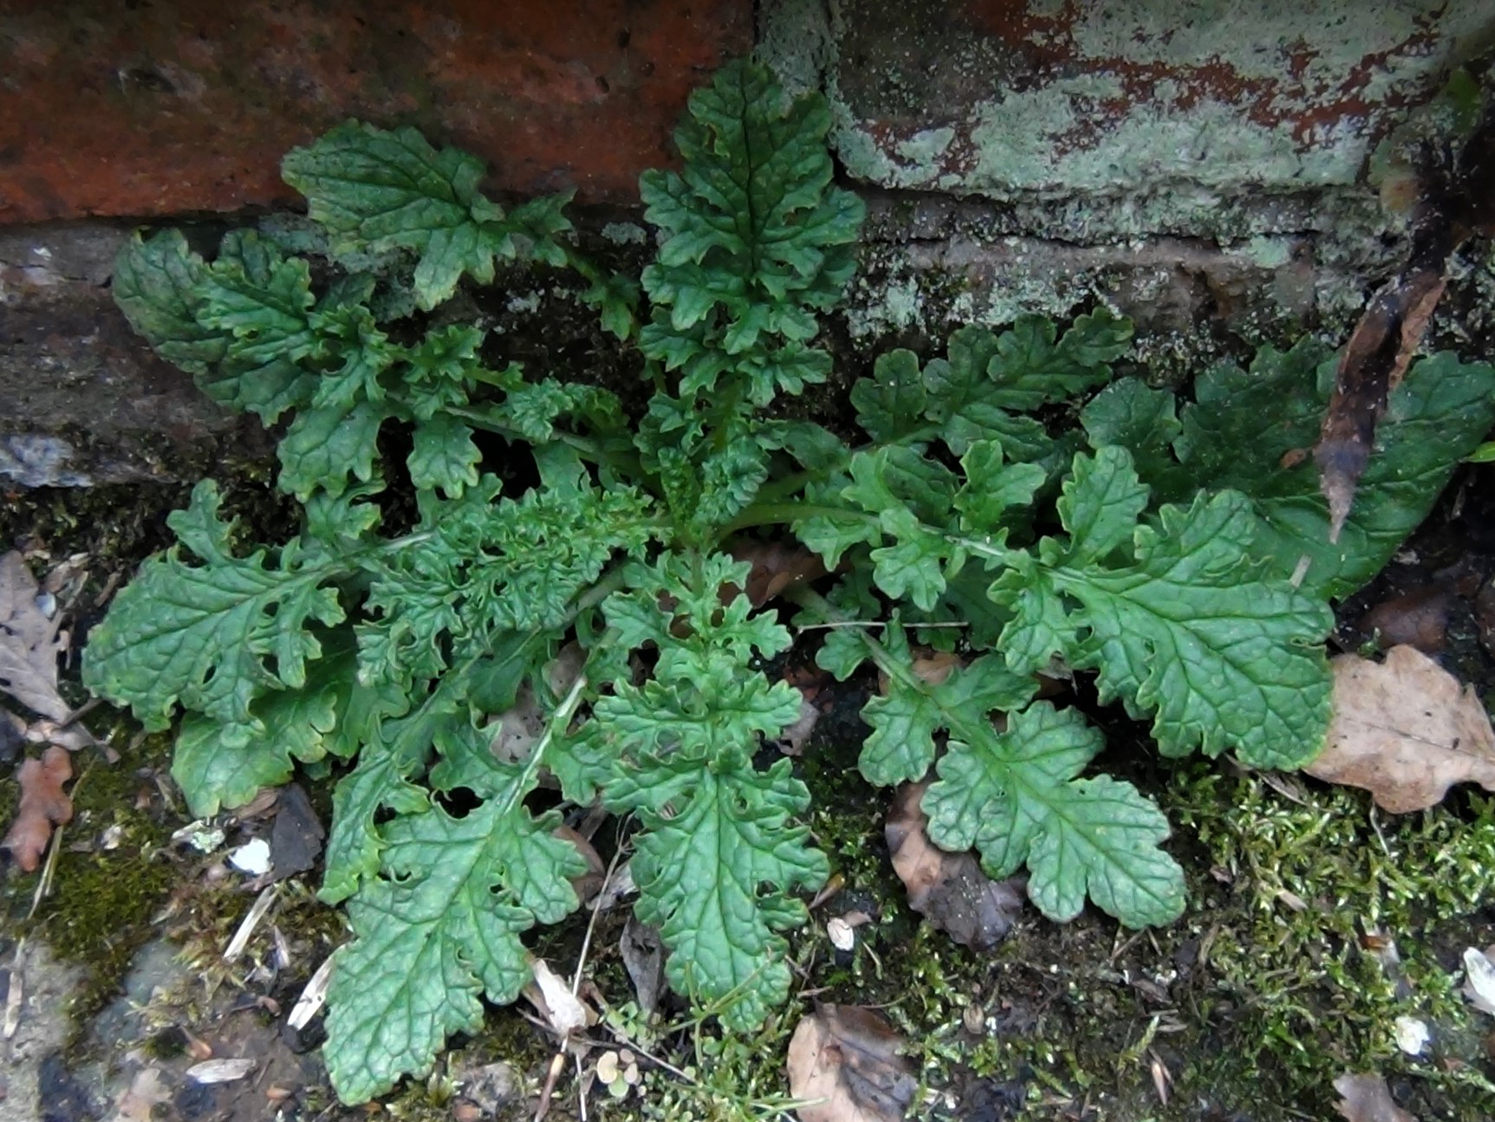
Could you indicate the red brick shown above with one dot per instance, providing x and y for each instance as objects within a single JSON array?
[{"x": 148, "y": 109}]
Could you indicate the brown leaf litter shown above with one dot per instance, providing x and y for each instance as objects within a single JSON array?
[
  {"x": 1405, "y": 730},
  {"x": 844, "y": 1063},
  {"x": 29, "y": 642},
  {"x": 948, "y": 889},
  {"x": 1366, "y": 1098},
  {"x": 44, "y": 804},
  {"x": 1450, "y": 201}
]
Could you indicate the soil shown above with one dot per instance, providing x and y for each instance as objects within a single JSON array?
[{"x": 1277, "y": 978}]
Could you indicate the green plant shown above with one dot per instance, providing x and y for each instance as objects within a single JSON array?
[{"x": 387, "y": 637}]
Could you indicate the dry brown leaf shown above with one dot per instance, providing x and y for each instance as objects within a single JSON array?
[
  {"x": 844, "y": 1059},
  {"x": 561, "y": 1009},
  {"x": 642, "y": 951},
  {"x": 932, "y": 668},
  {"x": 776, "y": 567},
  {"x": 1373, "y": 363},
  {"x": 587, "y": 884},
  {"x": 1366, "y": 1098},
  {"x": 28, "y": 643},
  {"x": 793, "y": 738},
  {"x": 1405, "y": 730},
  {"x": 948, "y": 889},
  {"x": 137, "y": 1102},
  {"x": 1451, "y": 198},
  {"x": 1418, "y": 618},
  {"x": 43, "y": 804}
]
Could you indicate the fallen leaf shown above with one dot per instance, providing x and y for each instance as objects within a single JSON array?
[
  {"x": 643, "y": 958},
  {"x": 517, "y": 728},
  {"x": 490, "y": 1087},
  {"x": 793, "y": 739},
  {"x": 12, "y": 737},
  {"x": 776, "y": 567},
  {"x": 1373, "y": 363},
  {"x": 44, "y": 804},
  {"x": 948, "y": 889},
  {"x": 1484, "y": 615},
  {"x": 843, "y": 929},
  {"x": 1412, "y": 1035},
  {"x": 252, "y": 858},
  {"x": 843, "y": 1059},
  {"x": 221, "y": 1071},
  {"x": 555, "y": 1002},
  {"x": 1405, "y": 730},
  {"x": 1450, "y": 198},
  {"x": 1366, "y": 1098},
  {"x": 586, "y": 885},
  {"x": 28, "y": 643},
  {"x": 1415, "y": 619},
  {"x": 1479, "y": 980},
  {"x": 145, "y": 1092},
  {"x": 934, "y": 667},
  {"x": 312, "y": 998},
  {"x": 297, "y": 835},
  {"x": 73, "y": 737},
  {"x": 200, "y": 836}
]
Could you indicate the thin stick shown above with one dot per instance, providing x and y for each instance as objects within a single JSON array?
[
  {"x": 581, "y": 1095},
  {"x": 240, "y": 942},
  {"x": 556, "y": 1063},
  {"x": 650, "y": 1056},
  {"x": 910, "y": 624},
  {"x": 13, "y": 998},
  {"x": 586, "y": 942},
  {"x": 49, "y": 871}
]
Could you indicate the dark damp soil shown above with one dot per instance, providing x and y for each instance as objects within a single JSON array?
[{"x": 1315, "y": 922}]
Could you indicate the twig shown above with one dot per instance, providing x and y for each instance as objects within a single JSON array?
[
  {"x": 911, "y": 624},
  {"x": 650, "y": 1056},
  {"x": 14, "y": 996},
  {"x": 586, "y": 942},
  {"x": 559, "y": 1060},
  {"x": 49, "y": 870},
  {"x": 312, "y": 998},
  {"x": 252, "y": 920}
]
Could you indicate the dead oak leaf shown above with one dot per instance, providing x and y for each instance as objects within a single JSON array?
[
  {"x": 1405, "y": 730},
  {"x": 28, "y": 643},
  {"x": 948, "y": 889},
  {"x": 43, "y": 804},
  {"x": 776, "y": 566},
  {"x": 137, "y": 1102},
  {"x": 1366, "y": 1098},
  {"x": 844, "y": 1063}
]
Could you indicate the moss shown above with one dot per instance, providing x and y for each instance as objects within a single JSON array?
[
  {"x": 103, "y": 901},
  {"x": 1310, "y": 893},
  {"x": 1250, "y": 1004}
]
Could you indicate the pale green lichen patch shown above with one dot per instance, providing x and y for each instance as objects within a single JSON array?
[
  {"x": 1316, "y": 44},
  {"x": 1149, "y": 101},
  {"x": 1032, "y": 141}
]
